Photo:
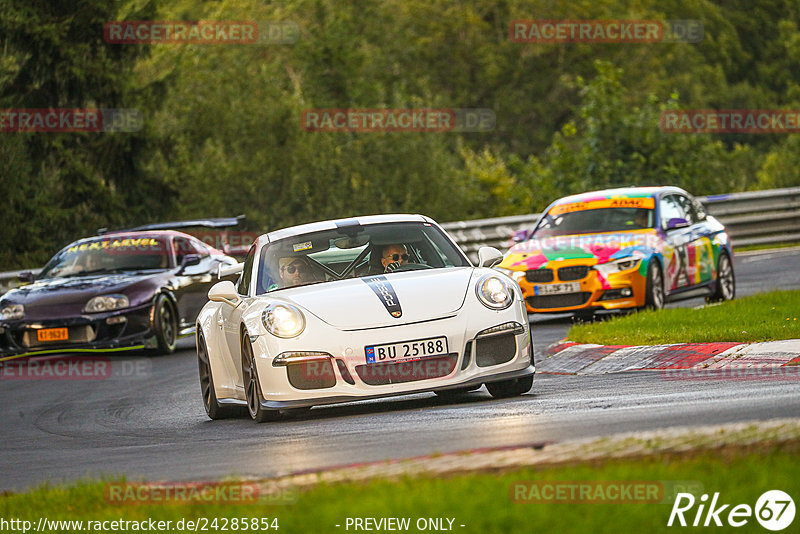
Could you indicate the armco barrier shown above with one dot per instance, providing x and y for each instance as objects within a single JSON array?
[{"x": 752, "y": 218}]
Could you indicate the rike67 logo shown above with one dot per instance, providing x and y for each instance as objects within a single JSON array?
[{"x": 774, "y": 510}]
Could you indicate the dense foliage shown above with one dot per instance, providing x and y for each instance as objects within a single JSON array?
[{"x": 222, "y": 132}]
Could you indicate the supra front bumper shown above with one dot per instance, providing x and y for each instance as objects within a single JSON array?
[
  {"x": 120, "y": 329},
  {"x": 473, "y": 358},
  {"x": 625, "y": 289}
]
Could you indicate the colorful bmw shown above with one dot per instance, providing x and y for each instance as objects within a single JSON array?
[{"x": 622, "y": 248}]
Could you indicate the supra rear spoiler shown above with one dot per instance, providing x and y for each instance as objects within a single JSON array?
[{"x": 222, "y": 222}]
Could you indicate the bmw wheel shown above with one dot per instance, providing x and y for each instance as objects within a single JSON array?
[
  {"x": 654, "y": 289},
  {"x": 726, "y": 280}
]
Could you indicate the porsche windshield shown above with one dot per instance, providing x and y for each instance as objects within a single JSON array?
[
  {"x": 354, "y": 251},
  {"x": 590, "y": 221},
  {"x": 108, "y": 255}
]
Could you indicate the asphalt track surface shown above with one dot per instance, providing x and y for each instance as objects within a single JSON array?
[{"x": 147, "y": 420}]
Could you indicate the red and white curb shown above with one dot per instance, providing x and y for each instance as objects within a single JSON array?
[{"x": 745, "y": 360}]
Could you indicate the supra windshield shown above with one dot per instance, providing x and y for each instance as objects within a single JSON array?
[
  {"x": 353, "y": 252},
  {"x": 108, "y": 255},
  {"x": 592, "y": 221}
]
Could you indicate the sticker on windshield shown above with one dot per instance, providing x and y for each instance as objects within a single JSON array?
[
  {"x": 301, "y": 246},
  {"x": 641, "y": 202}
]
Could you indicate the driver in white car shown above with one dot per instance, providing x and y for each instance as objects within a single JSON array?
[{"x": 393, "y": 257}]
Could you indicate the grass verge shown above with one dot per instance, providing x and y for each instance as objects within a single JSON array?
[
  {"x": 763, "y": 317},
  {"x": 482, "y": 502}
]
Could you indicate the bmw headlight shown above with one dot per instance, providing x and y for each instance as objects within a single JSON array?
[
  {"x": 283, "y": 320},
  {"x": 10, "y": 312},
  {"x": 105, "y": 303},
  {"x": 617, "y": 266},
  {"x": 515, "y": 275},
  {"x": 494, "y": 293}
]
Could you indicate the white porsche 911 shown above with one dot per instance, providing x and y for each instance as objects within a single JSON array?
[{"x": 338, "y": 311}]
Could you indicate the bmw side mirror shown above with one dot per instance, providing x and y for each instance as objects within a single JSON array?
[
  {"x": 519, "y": 236},
  {"x": 26, "y": 277},
  {"x": 677, "y": 222},
  {"x": 489, "y": 256},
  {"x": 189, "y": 260},
  {"x": 225, "y": 292}
]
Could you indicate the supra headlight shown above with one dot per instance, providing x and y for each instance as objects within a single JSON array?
[
  {"x": 105, "y": 303},
  {"x": 494, "y": 292},
  {"x": 11, "y": 312},
  {"x": 283, "y": 320},
  {"x": 616, "y": 266}
]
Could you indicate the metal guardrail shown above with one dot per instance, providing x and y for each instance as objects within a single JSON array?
[{"x": 752, "y": 218}]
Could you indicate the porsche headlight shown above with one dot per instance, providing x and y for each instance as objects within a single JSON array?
[
  {"x": 283, "y": 320},
  {"x": 105, "y": 303},
  {"x": 10, "y": 312},
  {"x": 494, "y": 293},
  {"x": 616, "y": 266}
]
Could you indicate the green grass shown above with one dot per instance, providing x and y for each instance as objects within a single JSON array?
[
  {"x": 480, "y": 501},
  {"x": 763, "y": 317},
  {"x": 767, "y": 246}
]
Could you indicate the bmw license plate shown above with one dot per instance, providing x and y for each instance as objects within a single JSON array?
[
  {"x": 406, "y": 350},
  {"x": 52, "y": 334},
  {"x": 557, "y": 289}
]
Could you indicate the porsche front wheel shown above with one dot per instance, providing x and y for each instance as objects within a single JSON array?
[
  {"x": 510, "y": 388},
  {"x": 214, "y": 409},
  {"x": 252, "y": 388}
]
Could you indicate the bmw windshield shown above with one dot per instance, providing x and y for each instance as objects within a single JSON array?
[{"x": 589, "y": 217}]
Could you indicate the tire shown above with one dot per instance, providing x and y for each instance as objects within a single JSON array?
[
  {"x": 252, "y": 388},
  {"x": 165, "y": 325},
  {"x": 213, "y": 408},
  {"x": 726, "y": 280},
  {"x": 457, "y": 392},
  {"x": 654, "y": 289},
  {"x": 510, "y": 388}
]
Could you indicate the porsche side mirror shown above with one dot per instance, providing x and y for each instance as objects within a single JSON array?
[
  {"x": 26, "y": 277},
  {"x": 225, "y": 292},
  {"x": 189, "y": 260},
  {"x": 489, "y": 256},
  {"x": 229, "y": 270},
  {"x": 677, "y": 222}
]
